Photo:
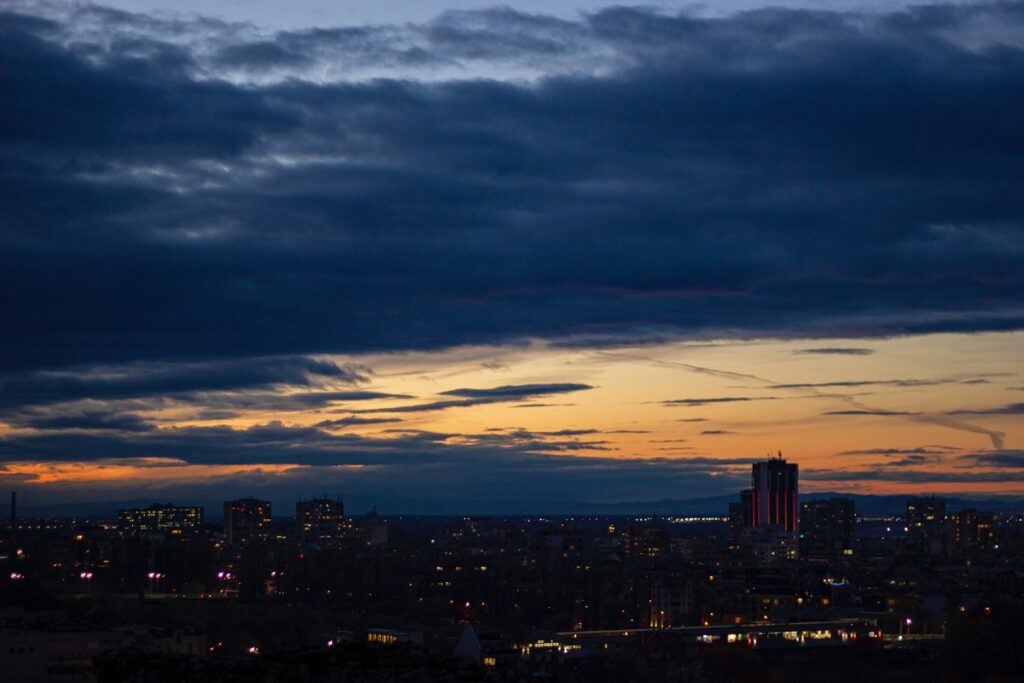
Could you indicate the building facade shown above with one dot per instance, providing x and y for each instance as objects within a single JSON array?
[
  {"x": 827, "y": 529},
  {"x": 246, "y": 519},
  {"x": 320, "y": 520},
  {"x": 771, "y": 501},
  {"x": 926, "y": 524},
  {"x": 974, "y": 531},
  {"x": 160, "y": 518}
]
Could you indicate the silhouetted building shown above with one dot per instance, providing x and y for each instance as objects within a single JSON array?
[
  {"x": 185, "y": 640},
  {"x": 375, "y": 529},
  {"x": 52, "y": 648},
  {"x": 737, "y": 518},
  {"x": 486, "y": 647},
  {"x": 648, "y": 541},
  {"x": 320, "y": 520},
  {"x": 926, "y": 523},
  {"x": 741, "y": 514},
  {"x": 159, "y": 518},
  {"x": 245, "y": 518},
  {"x": 973, "y": 530},
  {"x": 826, "y": 528}
]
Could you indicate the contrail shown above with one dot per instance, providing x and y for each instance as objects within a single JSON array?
[{"x": 997, "y": 438}]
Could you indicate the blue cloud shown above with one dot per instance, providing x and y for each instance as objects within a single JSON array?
[{"x": 776, "y": 172}]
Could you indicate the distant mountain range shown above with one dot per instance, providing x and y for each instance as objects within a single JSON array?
[
  {"x": 865, "y": 504},
  {"x": 714, "y": 505}
]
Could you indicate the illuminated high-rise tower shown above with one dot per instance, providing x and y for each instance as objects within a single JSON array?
[{"x": 772, "y": 499}]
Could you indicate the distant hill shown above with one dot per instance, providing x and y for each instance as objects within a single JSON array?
[{"x": 865, "y": 504}]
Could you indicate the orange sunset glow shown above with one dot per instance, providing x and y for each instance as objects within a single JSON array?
[{"x": 915, "y": 414}]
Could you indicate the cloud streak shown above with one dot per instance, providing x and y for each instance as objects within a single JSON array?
[
  {"x": 477, "y": 397},
  {"x": 836, "y": 351},
  {"x": 713, "y": 401}
]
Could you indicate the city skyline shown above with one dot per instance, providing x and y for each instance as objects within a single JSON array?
[{"x": 596, "y": 254}]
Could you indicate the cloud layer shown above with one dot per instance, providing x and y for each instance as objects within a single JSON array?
[{"x": 776, "y": 172}]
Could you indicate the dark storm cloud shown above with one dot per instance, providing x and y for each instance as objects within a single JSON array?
[
  {"x": 212, "y": 406},
  {"x": 302, "y": 400},
  {"x": 454, "y": 39},
  {"x": 259, "y": 55},
  {"x": 135, "y": 380},
  {"x": 138, "y": 105},
  {"x": 774, "y": 173},
  {"x": 355, "y": 420},
  {"x": 429, "y": 407},
  {"x": 218, "y": 415},
  {"x": 276, "y": 443},
  {"x": 476, "y": 397},
  {"x": 837, "y": 351},
  {"x": 89, "y": 420}
]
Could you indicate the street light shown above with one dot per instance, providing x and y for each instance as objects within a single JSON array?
[{"x": 907, "y": 621}]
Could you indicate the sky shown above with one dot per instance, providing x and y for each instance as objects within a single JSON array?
[{"x": 451, "y": 256}]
